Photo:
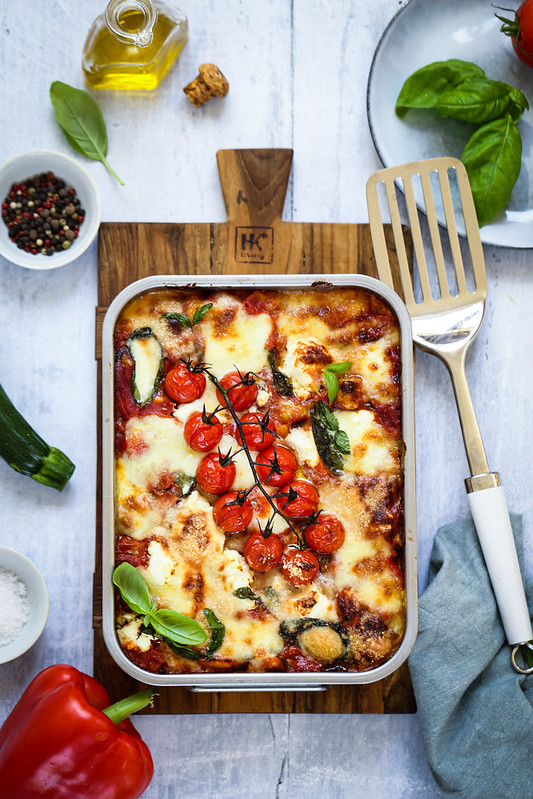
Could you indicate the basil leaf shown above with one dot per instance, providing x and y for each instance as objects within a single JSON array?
[
  {"x": 177, "y": 627},
  {"x": 332, "y": 385},
  {"x": 424, "y": 87},
  {"x": 183, "y": 650},
  {"x": 132, "y": 587},
  {"x": 327, "y": 436},
  {"x": 201, "y": 312},
  {"x": 282, "y": 383},
  {"x": 518, "y": 103},
  {"x": 245, "y": 593},
  {"x": 478, "y": 100},
  {"x": 218, "y": 632},
  {"x": 80, "y": 118},
  {"x": 338, "y": 368},
  {"x": 185, "y": 483},
  {"x": 342, "y": 442},
  {"x": 492, "y": 158},
  {"x": 179, "y": 317}
]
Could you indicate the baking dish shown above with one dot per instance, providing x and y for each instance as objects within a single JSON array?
[{"x": 239, "y": 681}]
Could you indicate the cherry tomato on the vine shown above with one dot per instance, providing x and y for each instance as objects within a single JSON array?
[
  {"x": 326, "y": 535},
  {"x": 276, "y": 466},
  {"x": 520, "y": 29},
  {"x": 299, "y": 566},
  {"x": 262, "y": 554},
  {"x": 214, "y": 475},
  {"x": 202, "y": 435},
  {"x": 184, "y": 385},
  {"x": 298, "y": 499},
  {"x": 257, "y": 434},
  {"x": 231, "y": 513},
  {"x": 241, "y": 389}
]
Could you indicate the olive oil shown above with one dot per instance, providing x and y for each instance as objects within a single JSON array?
[{"x": 133, "y": 44}]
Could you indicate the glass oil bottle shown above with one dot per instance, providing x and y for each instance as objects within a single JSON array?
[{"x": 133, "y": 44}]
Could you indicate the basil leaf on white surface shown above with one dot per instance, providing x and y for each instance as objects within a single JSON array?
[{"x": 81, "y": 120}]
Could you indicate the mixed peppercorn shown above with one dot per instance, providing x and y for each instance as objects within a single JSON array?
[{"x": 42, "y": 214}]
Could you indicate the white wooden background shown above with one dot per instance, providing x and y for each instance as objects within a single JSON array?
[{"x": 298, "y": 72}]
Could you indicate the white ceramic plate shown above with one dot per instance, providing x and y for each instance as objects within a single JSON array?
[{"x": 436, "y": 30}]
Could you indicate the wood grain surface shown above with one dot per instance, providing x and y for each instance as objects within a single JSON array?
[{"x": 254, "y": 240}]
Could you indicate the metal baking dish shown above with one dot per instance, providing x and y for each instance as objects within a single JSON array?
[{"x": 271, "y": 681}]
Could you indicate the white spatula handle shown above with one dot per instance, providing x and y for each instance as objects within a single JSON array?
[{"x": 491, "y": 518}]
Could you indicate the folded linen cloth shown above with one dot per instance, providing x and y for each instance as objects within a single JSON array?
[{"x": 476, "y": 712}]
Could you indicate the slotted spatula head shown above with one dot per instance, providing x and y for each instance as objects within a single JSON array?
[{"x": 433, "y": 184}]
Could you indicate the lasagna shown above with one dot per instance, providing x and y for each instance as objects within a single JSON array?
[{"x": 258, "y": 478}]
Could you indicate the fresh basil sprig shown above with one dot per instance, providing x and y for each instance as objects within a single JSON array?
[
  {"x": 331, "y": 442},
  {"x": 169, "y": 624},
  {"x": 331, "y": 380},
  {"x": 184, "y": 320},
  {"x": 82, "y": 122},
  {"x": 492, "y": 156}
]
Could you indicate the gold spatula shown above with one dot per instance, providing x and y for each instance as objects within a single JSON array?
[{"x": 446, "y": 309}]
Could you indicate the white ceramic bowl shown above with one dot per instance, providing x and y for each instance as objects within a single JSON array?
[
  {"x": 38, "y": 601},
  {"x": 28, "y": 164}
]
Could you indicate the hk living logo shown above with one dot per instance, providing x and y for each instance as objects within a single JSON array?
[{"x": 254, "y": 245}]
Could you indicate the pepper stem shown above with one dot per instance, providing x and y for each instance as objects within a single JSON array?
[{"x": 131, "y": 704}]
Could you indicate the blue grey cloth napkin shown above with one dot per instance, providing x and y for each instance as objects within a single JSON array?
[{"x": 476, "y": 712}]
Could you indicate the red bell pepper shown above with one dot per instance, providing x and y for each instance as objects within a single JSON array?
[{"x": 63, "y": 741}]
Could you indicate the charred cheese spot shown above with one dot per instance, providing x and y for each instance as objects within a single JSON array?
[{"x": 234, "y": 339}]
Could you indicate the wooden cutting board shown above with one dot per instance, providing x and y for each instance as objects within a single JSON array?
[{"x": 254, "y": 240}]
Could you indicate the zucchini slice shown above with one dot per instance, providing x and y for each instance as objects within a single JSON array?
[{"x": 147, "y": 357}]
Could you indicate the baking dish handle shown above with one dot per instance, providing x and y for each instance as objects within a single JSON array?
[
  {"x": 493, "y": 525},
  {"x": 225, "y": 689}
]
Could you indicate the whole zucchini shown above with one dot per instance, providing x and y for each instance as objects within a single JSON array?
[{"x": 27, "y": 453}]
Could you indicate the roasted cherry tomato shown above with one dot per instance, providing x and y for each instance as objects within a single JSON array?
[
  {"x": 257, "y": 434},
  {"x": 184, "y": 385},
  {"x": 326, "y": 536},
  {"x": 242, "y": 390},
  {"x": 298, "y": 499},
  {"x": 214, "y": 474},
  {"x": 276, "y": 466},
  {"x": 232, "y": 514},
  {"x": 299, "y": 566},
  {"x": 202, "y": 435},
  {"x": 520, "y": 29},
  {"x": 262, "y": 554}
]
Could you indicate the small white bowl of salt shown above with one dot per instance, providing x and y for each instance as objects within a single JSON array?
[{"x": 24, "y": 601}]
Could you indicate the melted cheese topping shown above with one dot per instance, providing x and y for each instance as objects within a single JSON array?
[
  {"x": 370, "y": 446},
  {"x": 233, "y": 339},
  {"x": 191, "y": 564}
]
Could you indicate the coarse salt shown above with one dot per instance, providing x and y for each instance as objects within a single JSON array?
[{"x": 14, "y": 604}]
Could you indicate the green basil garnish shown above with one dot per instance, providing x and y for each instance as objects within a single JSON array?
[
  {"x": 282, "y": 383},
  {"x": 218, "y": 632},
  {"x": 331, "y": 442},
  {"x": 133, "y": 588},
  {"x": 331, "y": 380},
  {"x": 169, "y": 624},
  {"x": 185, "y": 321},
  {"x": 80, "y": 118},
  {"x": 245, "y": 593}
]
